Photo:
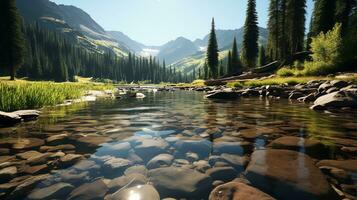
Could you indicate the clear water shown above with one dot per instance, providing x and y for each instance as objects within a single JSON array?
[{"x": 183, "y": 115}]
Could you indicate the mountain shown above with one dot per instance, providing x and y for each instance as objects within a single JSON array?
[
  {"x": 176, "y": 50},
  {"x": 71, "y": 21},
  {"x": 126, "y": 40},
  {"x": 225, "y": 42}
]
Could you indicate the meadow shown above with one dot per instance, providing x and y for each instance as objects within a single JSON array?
[{"x": 20, "y": 94}]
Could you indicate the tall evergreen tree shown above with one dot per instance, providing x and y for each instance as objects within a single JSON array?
[
  {"x": 229, "y": 62},
  {"x": 212, "y": 52},
  {"x": 343, "y": 12},
  {"x": 295, "y": 25},
  {"x": 262, "y": 56},
  {"x": 273, "y": 30},
  {"x": 282, "y": 30},
  {"x": 12, "y": 42},
  {"x": 324, "y": 12},
  {"x": 235, "y": 61},
  {"x": 250, "y": 38}
]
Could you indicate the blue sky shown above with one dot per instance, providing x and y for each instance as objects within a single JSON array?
[{"x": 154, "y": 22}]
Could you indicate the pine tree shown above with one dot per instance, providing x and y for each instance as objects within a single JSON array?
[
  {"x": 235, "y": 62},
  {"x": 295, "y": 25},
  {"x": 250, "y": 37},
  {"x": 212, "y": 52},
  {"x": 262, "y": 56},
  {"x": 343, "y": 12},
  {"x": 282, "y": 30},
  {"x": 324, "y": 10},
  {"x": 12, "y": 43},
  {"x": 229, "y": 63},
  {"x": 273, "y": 30},
  {"x": 221, "y": 69}
]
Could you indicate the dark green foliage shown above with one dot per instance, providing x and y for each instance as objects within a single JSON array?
[
  {"x": 343, "y": 12},
  {"x": 212, "y": 52},
  {"x": 295, "y": 25},
  {"x": 12, "y": 43},
  {"x": 324, "y": 12},
  {"x": 262, "y": 56},
  {"x": 53, "y": 56},
  {"x": 235, "y": 65},
  {"x": 250, "y": 37},
  {"x": 273, "y": 27},
  {"x": 221, "y": 69}
]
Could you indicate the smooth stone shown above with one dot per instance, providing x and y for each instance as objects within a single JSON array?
[
  {"x": 201, "y": 166},
  {"x": 39, "y": 160},
  {"x": 116, "y": 166},
  {"x": 238, "y": 191},
  {"x": 34, "y": 170},
  {"x": 74, "y": 177},
  {"x": 86, "y": 165},
  {"x": 201, "y": 147},
  {"x": 27, "y": 186},
  {"x": 192, "y": 157},
  {"x": 28, "y": 154},
  {"x": 287, "y": 174},
  {"x": 91, "y": 141},
  {"x": 4, "y": 151},
  {"x": 148, "y": 148},
  {"x": 57, "y": 139},
  {"x": 9, "y": 119},
  {"x": 238, "y": 148},
  {"x": 348, "y": 165},
  {"x": 225, "y": 174},
  {"x": 7, "y": 173},
  {"x": 56, "y": 191},
  {"x": 63, "y": 147},
  {"x": 138, "y": 192},
  {"x": 27, "y": 144},
  {"x": 345, "y": 98},
  {"x": 310, "y": 147},
  {"x": 180, "y": 182},
  {"x": 238, "y": 162},
  {"x": 138, "y": 169},
  {"x": 89, "y": 191},
  {"x": 162, "y": 160},
  {"x": 130, "y": 180},
  {"x": 69, "y": 160},
  {"x": 223, "y": 95},
  {"x": 27, "y": 115}
]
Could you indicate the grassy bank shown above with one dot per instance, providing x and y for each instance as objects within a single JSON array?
[
  {"x": 21, "y": 94},
  {"x": 287, "y": 80}
]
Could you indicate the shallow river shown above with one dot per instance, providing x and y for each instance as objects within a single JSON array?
[{"x": 180, "y": 145}]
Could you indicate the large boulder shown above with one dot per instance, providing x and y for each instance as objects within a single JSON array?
[
  {"x": 310, "y": 147},
  {"x": 56, "y": 191},
  {"x": 180, "y": 182},
  {"x": 137, "y": 192},
  {"x": 201, "y": 147},
  {"x": 238, "y": 191},
  {"x": 148, "y": 148},
  {"x": 343, "y": 98},
  {"x": 348, "y": 165},
  {"x": 287, "y": 174}
]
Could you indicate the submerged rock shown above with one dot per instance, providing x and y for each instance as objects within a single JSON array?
[
  {"x": 287, "y": 174},
  {"x": 162, "y": 160},
  {"x": 56, "y": 191},
  {"x": 238, "y": 191},
  {"x": 138, "y": 192},
  {"x": 180, "y": 182},
  {"x": 224, "y": 174},
  {"x": 311, "y": 147},
  {"x": 89, "y": 191}
]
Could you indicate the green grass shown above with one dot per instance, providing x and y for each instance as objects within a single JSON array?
[
  {"x": 16, "y": 95},
  {"x": 287, "y": 80}
]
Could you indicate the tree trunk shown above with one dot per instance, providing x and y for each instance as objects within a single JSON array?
[{"x": 12, "y": 73}]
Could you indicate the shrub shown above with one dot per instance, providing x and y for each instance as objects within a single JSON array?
[
  {"x": 326, "y": 53},
  {"x": 285, "y": 72}
]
